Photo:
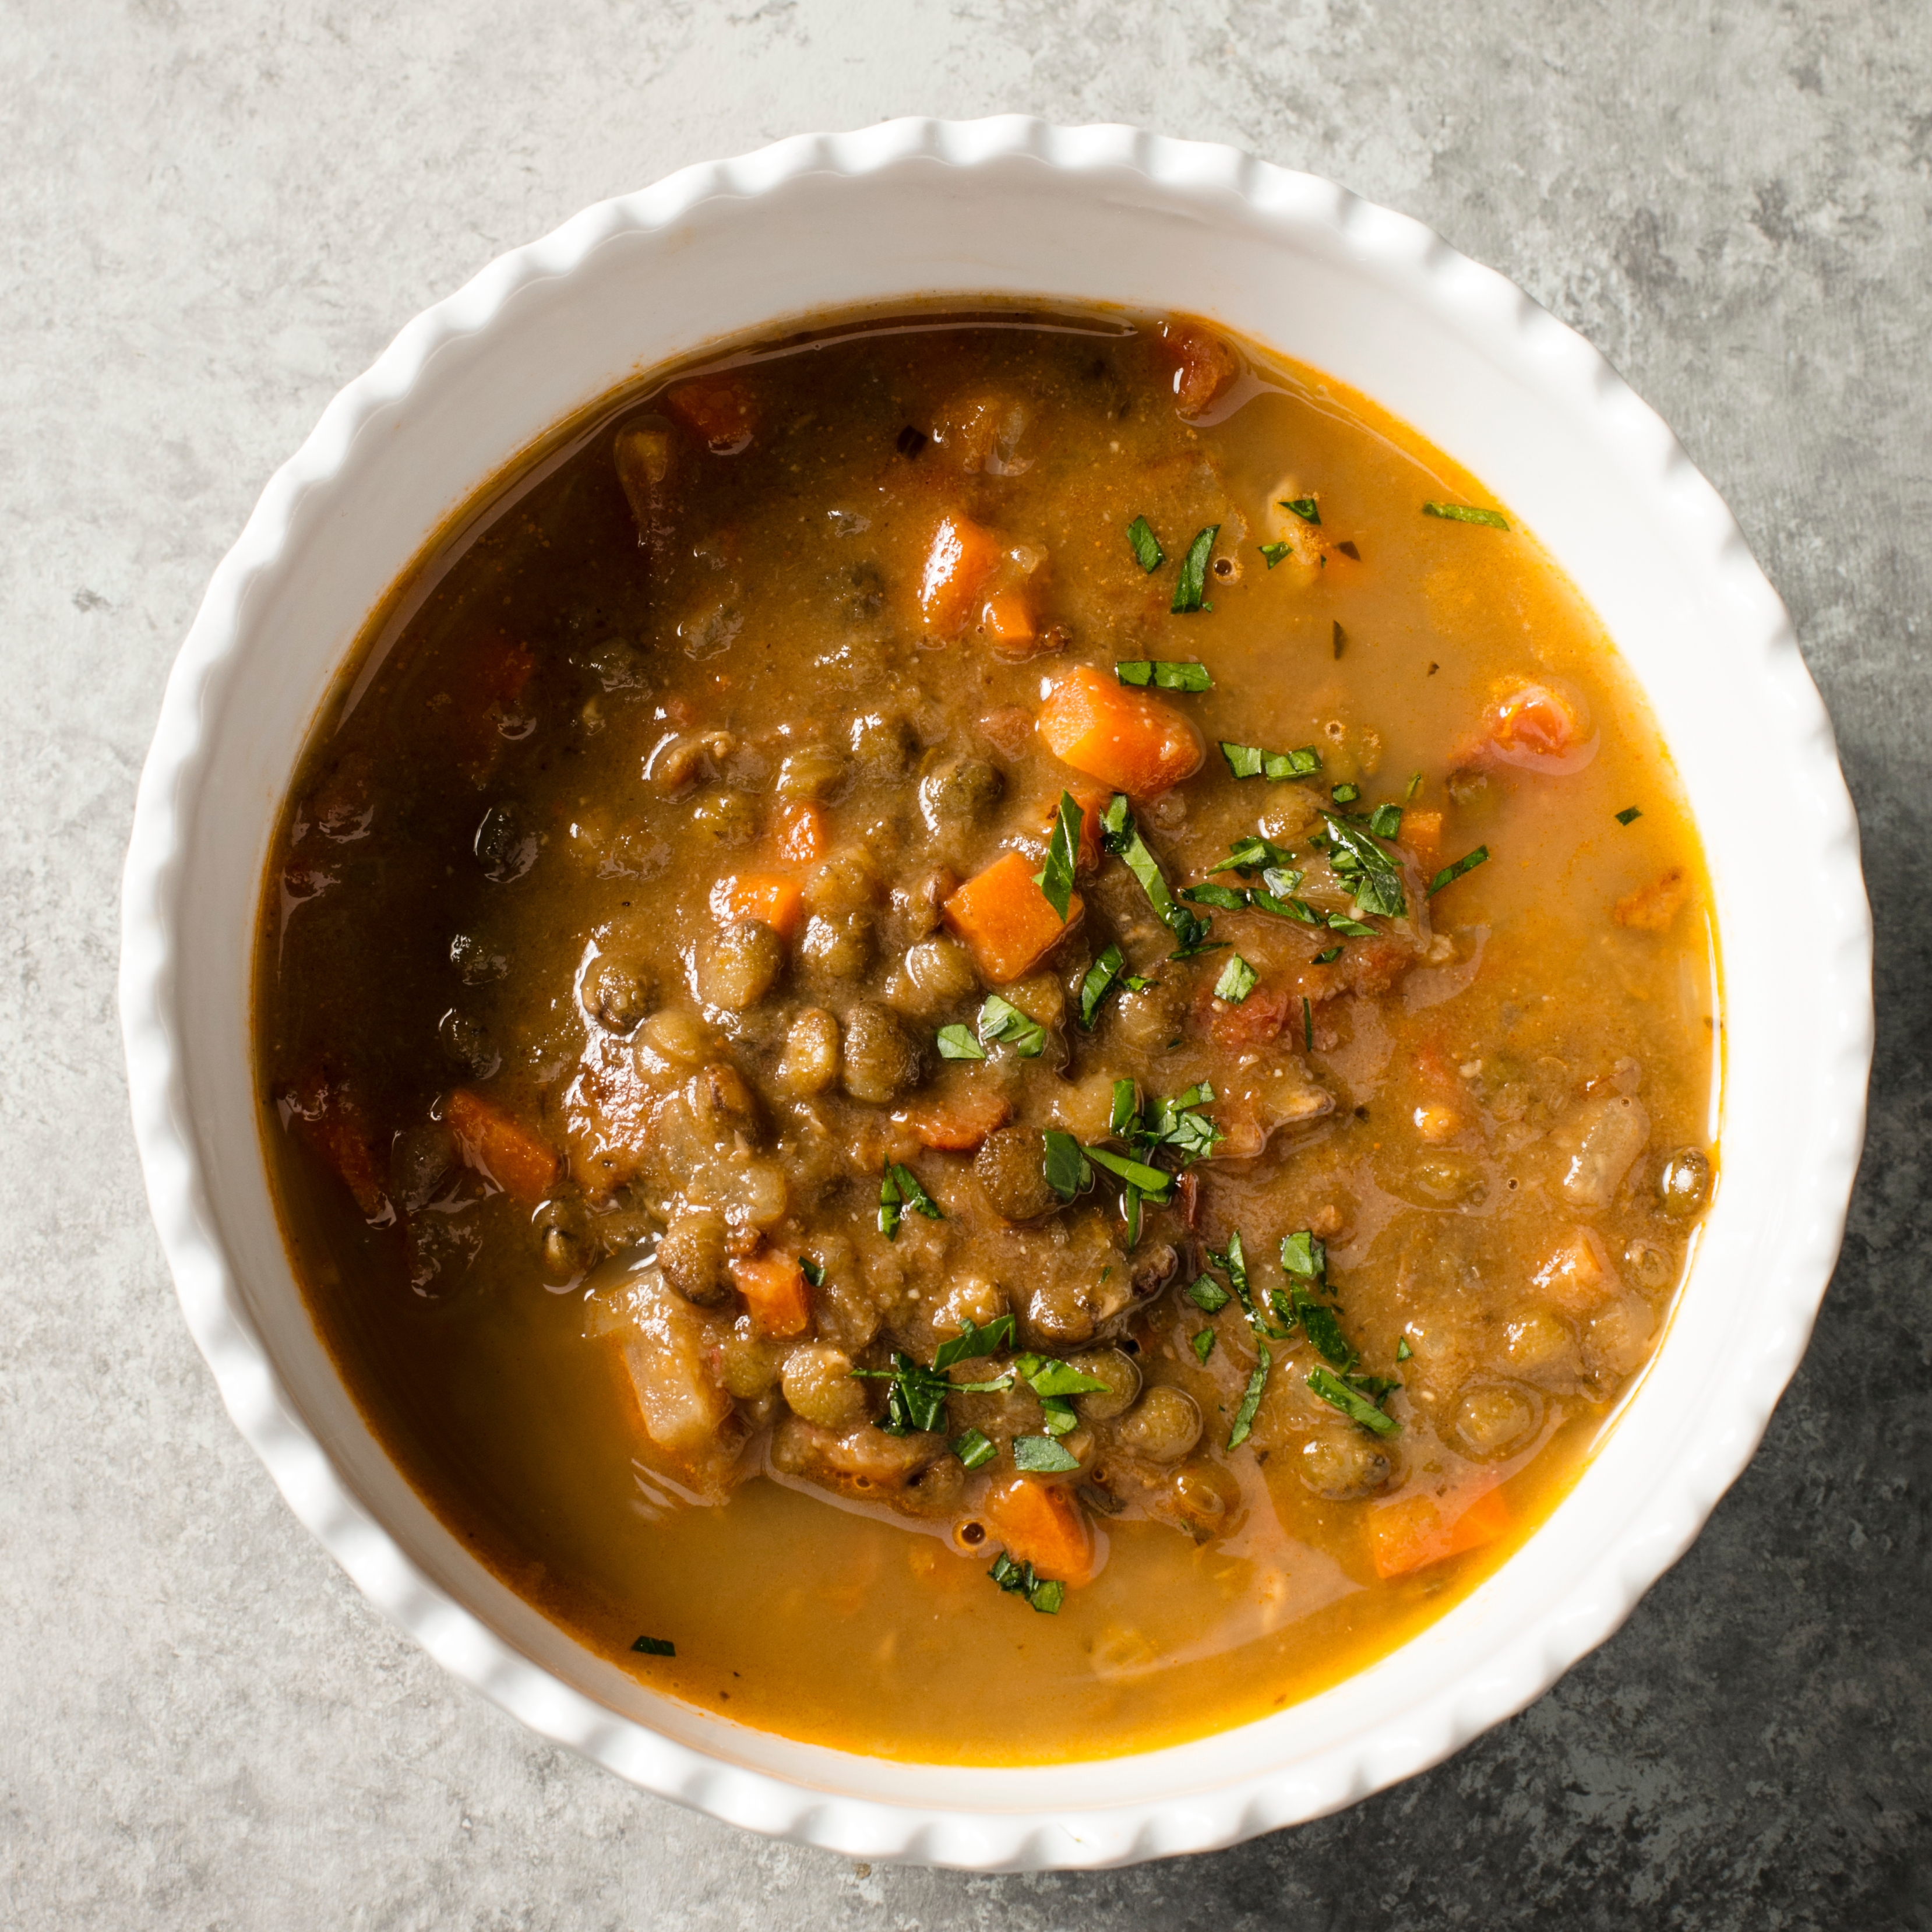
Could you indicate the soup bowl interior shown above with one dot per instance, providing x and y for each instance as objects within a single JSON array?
[{"x": 1016, "y": 211}]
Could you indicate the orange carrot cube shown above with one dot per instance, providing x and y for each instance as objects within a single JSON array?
[
  {"x": 802, "y": 833},
  {"x": 961, "y": 555},
  {"x": 1041, "y": 1523},
  {"x": 1004, "y": 920},
  {"x": 1009, "y": 624},
  {"x": 778, "y": 901},
  {"x": 1411, "y": 1532},
  {"x": 774, "y": 1288},
  {"x": 1137, "y": 744},
  {"x": 501, "y": 1147}
]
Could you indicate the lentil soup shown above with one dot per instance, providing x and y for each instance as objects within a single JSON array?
[{"x": 989, "y": 1038}]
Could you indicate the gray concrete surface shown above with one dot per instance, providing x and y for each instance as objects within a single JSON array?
[{"x": 212, "y": 216}]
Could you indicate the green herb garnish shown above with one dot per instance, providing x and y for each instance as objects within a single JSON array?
[
  {"x": 1145, "y": 545},
  {"x": 1244, "y": 1416},
  {"x": 1165, "y": 674},
  {"x": 1042, "y": 1455},
  {"x": 655, "y": 1646},
  {"x": 1414, "y": 786},
  {"x": 1450, "y": 874},
  {"x": 973, "y": 1449},
  {"x": 1629, "y": 812},
  {"x": 1327, "y": 955},
  {"x": 1225, "y": 898},
  {"x": 1055, "y": 879},
  {"x": 1340, "y": 922},
  {"x": 813, "y": 1271},
  {"x": 1190, "y": 593},
  {"x": 1122, "y": 836},
  {"x": 1044, "y": 1593},
  {"x": 1356, "y": 1406},
  {"x": 1385, "y": 821},
  {"x": 1203, "y": 1344},
  {"x": 1254, "y": 853},
  {"x": 1237, "y": 981},
  {"x": 956, "y": 1043},
  {"x": 1347, "y": 794},
  {"x": 1046, "y": 1377},
  {"x": 1369, "y": 873},
  {"x": 910, "y": 1194},
  {"x": 1305, "y": 1255},
  {"x": 1402, "y": 1350},
  {"x": 1154, "y": 1182},
  {"x": 1106, "y": 972},
  {"x": 1307, "y": 1025},
  {"x": 1207, "y": 1295},
  {"x": 971, "y": 1343},
  {"x": 1250, "y": 761},
  {"x": 1306, "y": 508},
  {"x": 891, "y": 1207},
  {"x": 1067, "y": 1173},
  {"x": 1001, "y": 1020},
  {"x": 1273, "y": 553},
  {"x": 1467, "y": 513}
]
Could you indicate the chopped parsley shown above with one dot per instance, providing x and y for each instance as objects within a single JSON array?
[
  {"x": 1327, "y": 955},
  {"x": 1306, "y": 508},
  {"x": 1361, "y": 865},
  {"x": 1250, "y": 761},
  {"x": 1307, "y": 1025},
  {"x": 1190, "y": 593},
  {"x": 972, "y": 1343},
  {"x": 1044, "y": 1593},
  {"x": 1226, "y": 899},
  {"x": 1137, "y": 1174},
  {"x": 1237, "y": 981},
  {"x": 956, "y": 1043},
  {"x": 1346, "y": 794},
  {"x": 1402, "y": 1350},
  {"x": 973, "y": 1449},
  {"x": 655, "y": 1646},
  {"x": 1121, "y": 836},
  {"x": 1385, "y": 821},
  {"x": 1467, "y": 513},
  {"x": 1203, "y": 1344},
  {"x": 1207, "y": 1295},
  {"x": 1244, "y": 1416},
  {"x": 1165, "y": 674},
  {"x": 1254, "y": 853},
  {"x": 1145, "y": 545},
  {"x": 1001, "y": 1020},
  {"x": 1356, "y": 1406},
  {"x": 1049, "y": 1378},
  {"x": 898, "y": 1191},
  {"x": 1450, "y": 874},
  {"x": 1042, "y": 1455},
  {"x": 1106, "y": 973},
  {"x": 1273, "y": 552},
  {"x": 1628, "y": 814},
  {"x": 1055, "y": 879},
  {"x": 1067, "y": 1173},
  {"x": 813, "y": 1271},
  {"x": 1414, "y": 786}
]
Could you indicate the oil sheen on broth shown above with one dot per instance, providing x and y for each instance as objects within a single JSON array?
[{"x": 947, "y": 850}]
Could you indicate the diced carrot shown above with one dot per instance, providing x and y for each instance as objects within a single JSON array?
[
  {"x": 773, "y": 1286},
  {"x": 1137, "y": 744},
  {"x": 1041, "y": 1523},
  {"x": 957, "y": 1122},
  {"x": 1412, "y": 1532},
  {"x": 1203, "y": 365},
  {"x": 1005, "y": 920},
  {"x": 802, "y": 833},
  {"x": 778, "y": 902},
  {"x": 329, "y": 1117},
  {"x": 1009, "y": 624},
  {"x": 1650, "y": 908},
  {"x": 1444, "y": 1109},
  {"x": 505, "y": 1149},
  {"x": 716, "y": 409},
  {"x": 1422, "y": 833},
  {"x": 959, "y": 558}
]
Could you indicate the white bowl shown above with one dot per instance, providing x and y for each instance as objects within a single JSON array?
[{"x": 1013, "y": 207}]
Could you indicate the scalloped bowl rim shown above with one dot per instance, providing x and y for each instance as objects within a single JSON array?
[{"x": 1091, "y": 1813}]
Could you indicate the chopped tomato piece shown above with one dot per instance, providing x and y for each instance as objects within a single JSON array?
[
  {"x": 1650, "y": 908},
  {"x": 1005, "y": 920},
  {"x": 778, "y": 902},
  {"x": 959, "y": 559},
  {"x": 1041, "y": 1523},
  {"x": 802, "y": 833},
  {"x": 1541, "y": 725},
  {"x": 1137, "y": 744},
  {"x": 774, "y": 1289},
  {"x": 505, "y": 1151},
  {"x": 956, "y": 1123},
  {"x": 1203, "y": 364},
  {"x": 717, "y": 410},
  {"x": 1411, "y": 1532},
  {"x": 1256, "y": 1021}
]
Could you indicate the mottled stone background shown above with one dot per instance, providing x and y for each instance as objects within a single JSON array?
[{"x": 212, "y": 215}]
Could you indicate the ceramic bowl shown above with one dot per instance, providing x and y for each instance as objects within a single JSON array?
[{"x": 1015, "y": 208}]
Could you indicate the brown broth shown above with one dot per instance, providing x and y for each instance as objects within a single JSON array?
[{"x": 784, "y": 598}]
